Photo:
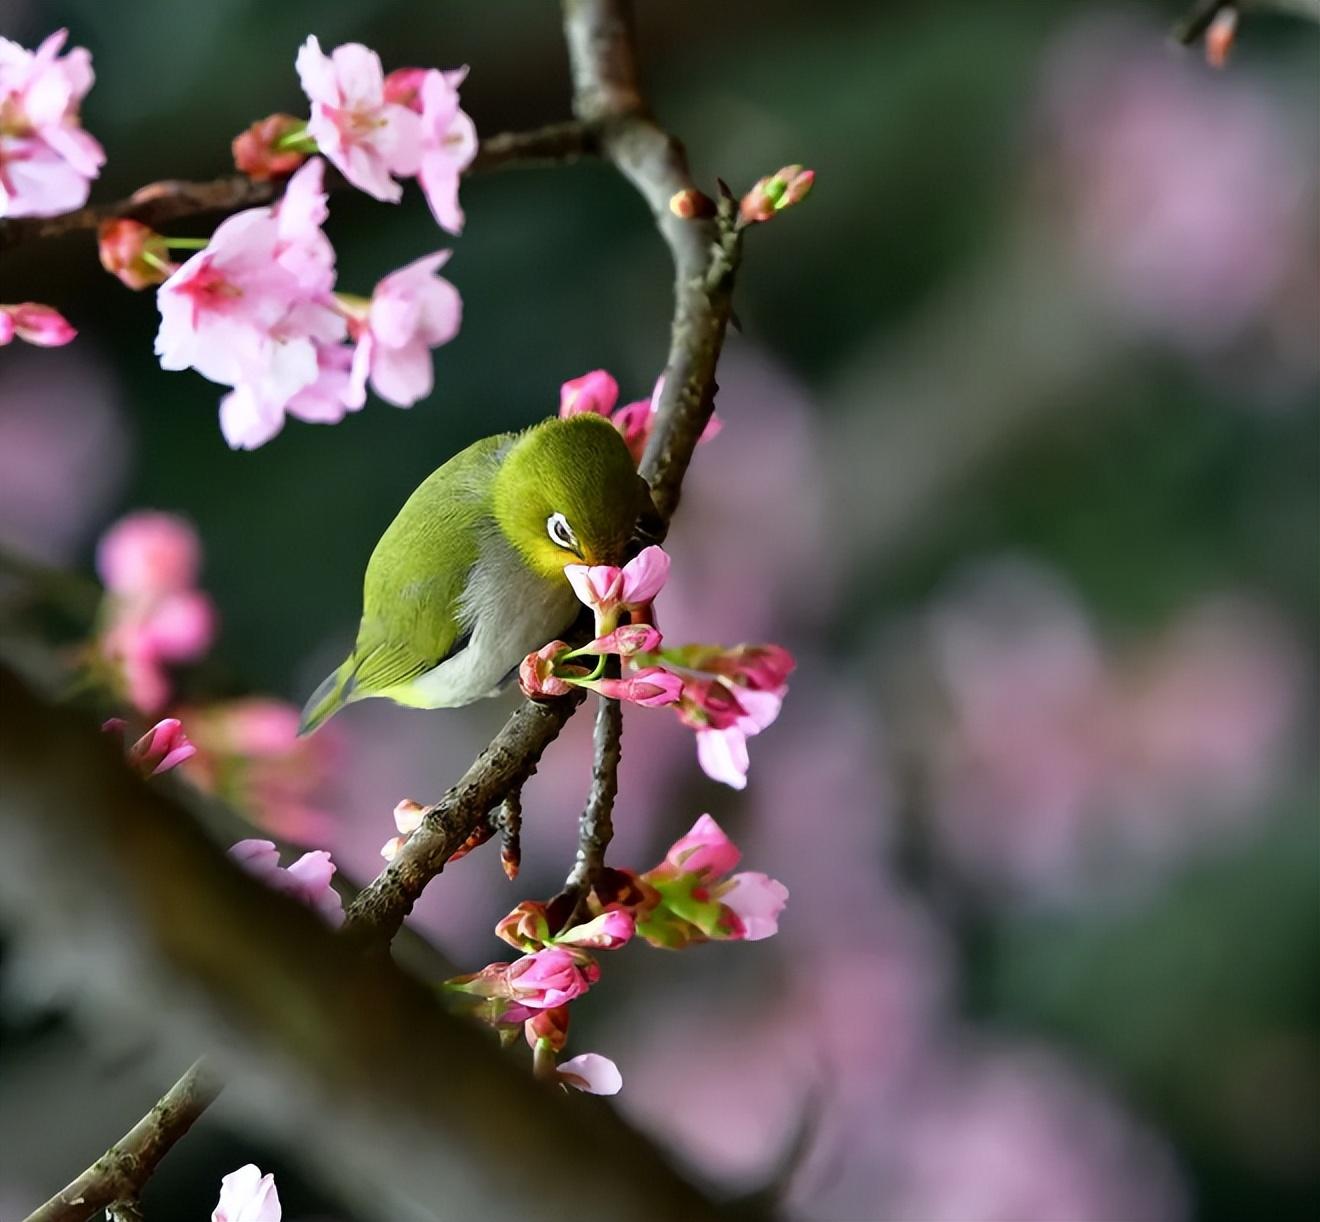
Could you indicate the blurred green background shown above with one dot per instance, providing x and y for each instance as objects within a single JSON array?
[{"x": 1022, "y": 423}]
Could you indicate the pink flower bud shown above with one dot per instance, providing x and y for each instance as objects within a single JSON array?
[
  {"x": 35, "y": 324},
  {"x": 536, "y": 674},
  {"x": 247, "y": 1196},
  {"x": 1220, "y": 35},
  {"x": 161, "y": 748},
  {"x": 124, "y": 246},
  {"x": 526, "y": 927},
  {"x": 709, "y": 703},
  {"x": 551, "y": 977},
  {"x": 595, "y": 392},
  {"x": 257, "y": 151},
  {"x": 608, "y": 931},
  {"x": 780, "y": 190},
  {"x": 627, "y": 640},
  {"x": 403, "y": 87},
  {"x": 592, "y": 1073},
  {"x": 548, "y": 1025},
  {"x": 704, "y": 850},
  {"x": 650, "y": 687},
  {"x": 689, "y": 204}
]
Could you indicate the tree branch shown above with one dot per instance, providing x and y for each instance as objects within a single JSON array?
[
  {"x": 138, "y": 917},
  {"x": 161, "y": 202},
  {"x": 122, "y": 1172},
  {"x": 613, "y": 120}
]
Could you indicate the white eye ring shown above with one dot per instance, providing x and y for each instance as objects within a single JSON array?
[{"x": 560, "y": 532}]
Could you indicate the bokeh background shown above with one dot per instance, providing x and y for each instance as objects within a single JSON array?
[{"x": 1020, "y": 461}]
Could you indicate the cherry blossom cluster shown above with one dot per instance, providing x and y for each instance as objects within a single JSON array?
[
  {"x": 598, "y": 392},
  {"x": 374, "y": 128},
  {"x": 154, "y": 617},
  {"x": 690, "y": 897},
  {"x": 47, "y": 160},
  {"x": 256, "y": 309},
  {"x": 726, "y": 694}
]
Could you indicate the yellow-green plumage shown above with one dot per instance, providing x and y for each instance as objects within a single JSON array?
[{"x": 468, "y": 578}]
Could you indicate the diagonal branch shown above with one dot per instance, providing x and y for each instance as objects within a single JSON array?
[{"x": 161, "y": 202}]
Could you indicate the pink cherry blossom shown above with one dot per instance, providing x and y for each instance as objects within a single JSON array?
[
  {"x": 756, "y": 900},
  {"x": 412, "y": 311},
  {"x": 536, "y": 673},
  {"x": 368, "y": 137},
  {"x": 36, "y": 324},
  {"x": 449, "y": 143},
  {"x": 725, "y": 717},
  {"x": 247, "y": 1196},
  {"x": 607, "y": 589},
  {"x": 306, "y": 880},
  {"x": 149, "y": 553},
  {"x": 592, "y": 1073},
  {"x": 47, "y": 160},
  {"x": 608, "y": 931}
]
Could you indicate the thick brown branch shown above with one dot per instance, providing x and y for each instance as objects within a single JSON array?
[
  {"x": 122, "y": 1171},
  {"x": 134, "y": 913},
  {"x": 161, "y": 202}
]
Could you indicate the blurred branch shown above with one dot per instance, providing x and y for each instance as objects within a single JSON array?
[
  {"x": 120, "y": 1174},
  {"x": 160, "y": 202},
  {"x": 135, "y": 915},
  {"x": 613, "y": 118}
]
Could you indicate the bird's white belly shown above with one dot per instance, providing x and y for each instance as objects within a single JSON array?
[{"x": 511, "y": 612}]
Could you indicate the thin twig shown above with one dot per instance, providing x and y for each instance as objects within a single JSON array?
[
  {"x": 120, "y": 1174},
  {"x": 596, "y": 825},
  {"x": 161, "y": 202}
]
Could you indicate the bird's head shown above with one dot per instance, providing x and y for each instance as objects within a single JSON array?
[{"x": 568, "y": 493}]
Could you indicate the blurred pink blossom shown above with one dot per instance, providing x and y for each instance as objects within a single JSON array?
[
  {"x": 307, "y": 879},
  {"x": 47, "y": 160},
  {"x": 1187, "y": 194},
  {"x": 149, "y": 553},
  {"x": 248, "y": 1196},
  {"x": 161, "y": 748}
]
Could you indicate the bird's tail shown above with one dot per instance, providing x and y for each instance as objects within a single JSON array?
[{"x": 332, "y": 693}]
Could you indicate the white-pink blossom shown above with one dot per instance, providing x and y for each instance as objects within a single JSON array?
[
  {"x": 369, "y": 138},
  {"x": 306, "y": 880},
  {"x": 248, "y": 1196},
  {"x": 412, "y": 311},
  {"x": 592, "y": 1073},
  {"x": 47, "y": 160}
]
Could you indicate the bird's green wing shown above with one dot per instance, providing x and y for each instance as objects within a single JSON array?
[{"x": 412, "y": 592}]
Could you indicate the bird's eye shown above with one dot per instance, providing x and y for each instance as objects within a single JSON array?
[{"x": 560, "y": 532}]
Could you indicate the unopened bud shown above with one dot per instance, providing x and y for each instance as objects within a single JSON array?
[
  {"x": 786, "y": 187},
  {"x": 690, "y": 204},
  {"x": 258, "y": 152},
  {"x": 548, "y": 1025},
  {"x": 134, "y": 253},
  {"x": 1220, "y": 35}
]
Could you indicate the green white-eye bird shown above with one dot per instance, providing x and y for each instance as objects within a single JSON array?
[{"x": 469, "y": 577}]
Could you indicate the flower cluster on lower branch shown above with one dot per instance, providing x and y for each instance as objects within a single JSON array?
[
  {"x": 690, "y": 897},
  {"x": 726, "y": 694}
]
